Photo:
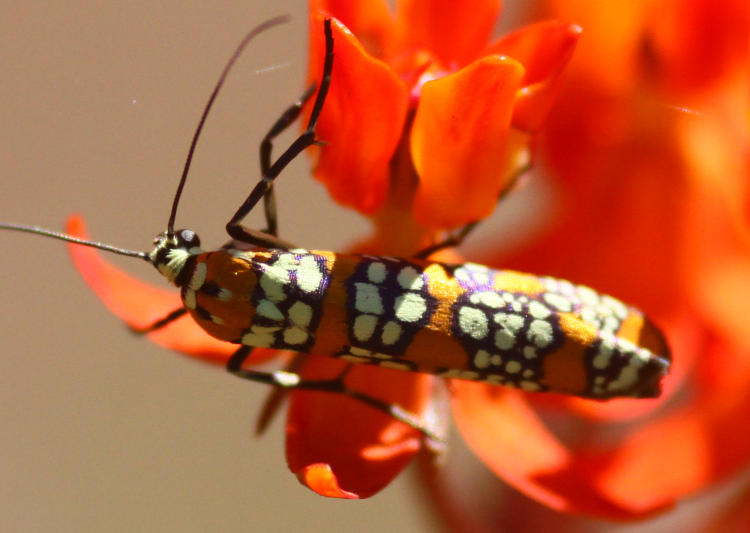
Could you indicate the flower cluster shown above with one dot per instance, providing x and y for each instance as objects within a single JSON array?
[
  {"x": 644, "y": 137},
  {"x": 646, "y": 154}
]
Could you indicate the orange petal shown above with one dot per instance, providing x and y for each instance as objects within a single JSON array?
[
  {"x": 454, "y": 32},
  {"x": 139, "y": 304},
  {"x": 341, "y": 447},
  {"x": 543, "y": 49},
  {"x": 321, "y": 479},
  {"x": 370, "y": 20},
  {"x": 459, "y": 142},
  {"x": 361, "y": 121},
  {"x": 508, "y": 437},
  {"x": 696, "y": 44}
]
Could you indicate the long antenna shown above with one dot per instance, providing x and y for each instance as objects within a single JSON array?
[
  {"x": 69, "y": 238},
  {"x": 170, "y": 227},
  {"x": 232, "y": 60}
]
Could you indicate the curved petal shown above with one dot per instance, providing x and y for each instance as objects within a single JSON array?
[
  {"x": 370, "y": 20},
  {"x": 341, "y": 447},
  {"x": 459, "y": 142},
  {"x": 320, "y": 478},
  {"x": 498, "y": 425},
  {"x": 543, "y": 49},
  {"x": 139, "y": 304},
  {"x": 633, "y": 203},
  {"x": 454, "y": 32},
  {"x": 717, "y": 233},
  {"x": 696, "y": 44},
  {"x": 361, "y": 121}
]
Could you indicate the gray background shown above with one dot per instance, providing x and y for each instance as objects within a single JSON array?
[{"x": 102, "y": 431}]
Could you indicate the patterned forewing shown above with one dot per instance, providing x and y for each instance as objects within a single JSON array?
[{"x": 458, "y": 321}]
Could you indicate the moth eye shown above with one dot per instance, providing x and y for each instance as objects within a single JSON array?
[{"x": 188, "y": 238}]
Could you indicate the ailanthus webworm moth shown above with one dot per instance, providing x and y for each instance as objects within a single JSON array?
[{"x": 462, "y": 321}]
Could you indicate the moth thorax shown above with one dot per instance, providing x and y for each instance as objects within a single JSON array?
[{"x": 172, "y": 255}]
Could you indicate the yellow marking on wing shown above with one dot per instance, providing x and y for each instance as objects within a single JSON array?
[{"x": 508, "y": 280}]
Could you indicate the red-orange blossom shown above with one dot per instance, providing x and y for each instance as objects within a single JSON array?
[{"x": 425, "y": 125}]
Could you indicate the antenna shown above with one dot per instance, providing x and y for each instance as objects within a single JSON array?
[
  {"x": 170, "y": 226},
  {"x": 69, "y": 238},
  {"x": 224, "y": 73}
]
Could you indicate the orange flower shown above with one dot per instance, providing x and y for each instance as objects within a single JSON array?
[
  {"x": 648, "y": 152},
  {"x": 422, "y": 91},
  {"x": 425, "y": 125}
]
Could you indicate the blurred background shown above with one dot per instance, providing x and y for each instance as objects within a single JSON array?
[{"x": 103, "y": 431}]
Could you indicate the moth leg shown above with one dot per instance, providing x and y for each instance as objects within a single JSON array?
[
  {"x": 261, "y": 239},
  {"x": 293, "y": 381},
  {"x": 164, "y": 321},
  {"x": 266, "y": 146},
  {"x": 305, "y": 140},
  {"x": 274, "y": 400}
]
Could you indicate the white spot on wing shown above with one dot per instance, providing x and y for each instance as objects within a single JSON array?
[
  {"x": 628, "y": 376},
  {"x": 618, "y": 308},
  {"x": 588, "y": 296},
  {"x": 391, "y": 332},
  {"x": 376, "y": 272},
  {"x": 559, "y": 302},
  {"x": 504, "y": 339},
  {"x": 260, "y": 337},
  {"x": 199, "y": 276},
  {"x": 309, "y": 276},
  {"x": 513, "y": 367},
  {"x": 473, "y": 322},
  {"x": 539, "y": 310},
  {"x": 410, "y": 307},
  {"x": 509, "y": 321},
  {"x": 269, "y": 310},
  {"x": 488, "y": 298},
  {"x": 482, "y": 359},
  {"x": 540, "y": 333},
  {"x": 460, "y": 374},
  {"x": 300, "y": 314},
  {"x": 286, "y": 261},
  {"x": 530, "y": 386},
  {"x": 603, "y": 355},
  {"x": 295, "y": 335},
  {"x": 410, "y": 279},
  {"x": 364, "y": 326},
  {"x": 367, "y": 299},
  {"x": 273, "y": 281}
]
